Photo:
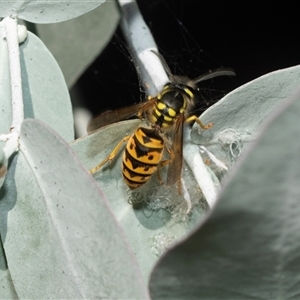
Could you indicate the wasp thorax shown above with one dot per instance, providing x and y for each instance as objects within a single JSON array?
[{"x": 171, "y": 102}]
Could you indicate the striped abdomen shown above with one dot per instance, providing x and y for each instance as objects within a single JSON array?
[{"x": 143, "y": 153}]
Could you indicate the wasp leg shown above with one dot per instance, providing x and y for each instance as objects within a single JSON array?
[
  {"x": 164, "y": 163},
  {"x": 159, "y": 166},
  {"x": 197, "y": 120},
  {"x": 110, "y": 156}
]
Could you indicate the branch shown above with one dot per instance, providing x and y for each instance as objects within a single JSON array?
[
  {"x": 13, "y": 35},
  {"x": 140, "y": 42},
  {"x": 204, "y": 179}
]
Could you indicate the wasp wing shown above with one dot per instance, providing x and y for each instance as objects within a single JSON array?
[
  {"x": 114, "y": 116},
  {"x": 175, "y": 166}
]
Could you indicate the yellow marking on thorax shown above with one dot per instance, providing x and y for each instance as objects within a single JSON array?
[
  {"x": 165, "y": 90},
  {"x": 184, "y": 106},
  {"x": 152, "y": 119},
  {"x": 158, "y": 113},
  {"x": 161, "y": 106},
  {"x": 168, "y": 119},
  {"x": 188, "y": 91},
  {"x": 172, "y": 112}
]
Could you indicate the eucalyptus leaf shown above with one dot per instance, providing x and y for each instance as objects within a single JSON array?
[
  {"x": 60, "y": 237},
  {"x": 72, "y": 47},
  {"x": 47, "y": 11},
  {"x": 45, "y": 93},
  {"x": 7, "y": 290},
  {"x": 150, "y": 225},
  {"x": 249, "y": 246},
  {"x": 3, "y": 168},
  {"x": 238, "y": 117},
  {"x": 1, "y": 154}
]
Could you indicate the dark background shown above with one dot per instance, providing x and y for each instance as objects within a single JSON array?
[{"x": 253, "y": 38}]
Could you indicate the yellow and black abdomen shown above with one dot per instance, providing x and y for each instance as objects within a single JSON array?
[{"x": 143, "y": 153}]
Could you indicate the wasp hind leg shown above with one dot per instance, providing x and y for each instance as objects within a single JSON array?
[
  {"x": 164, "y": 163},
  {"x": 198, "y": 121},
  {"x": 111, "y": 156},
  {"x": 159, "y": 166}
]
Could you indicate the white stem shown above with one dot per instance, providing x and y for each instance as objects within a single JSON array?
[
  {"x": 11, "y": 35},
  {"x": 214, "y": 159},
  {"x": 11, "y": 27},
  {"x": 186, "y": 196},
  {"x": 194, "y": 160},
  {"x": 140, "y": 42}
]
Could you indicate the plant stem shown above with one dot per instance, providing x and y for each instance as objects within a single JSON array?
[
  {"x": 201, "y": 174},
  {"x": 15, "y": 73},
  {"x": 11, "y": 35},
  {"x": 140, "y": 42}
]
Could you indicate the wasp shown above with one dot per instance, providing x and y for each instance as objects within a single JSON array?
[{"x": 168, "y": 110}]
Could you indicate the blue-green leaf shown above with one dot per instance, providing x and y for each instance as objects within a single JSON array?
[
  {"x": 7, "y": 290},
  {"x": 76, "y": 43},
  {"x": 45, "y": 93},
  {"x": 249, "y": 247},
  {"x": 59, "y": 235},
  {"x": 47, "y": 11},
  {"x": 238, "y": 117}
]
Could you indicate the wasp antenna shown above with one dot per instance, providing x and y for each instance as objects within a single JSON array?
[
  {"x": 214, "y": 73},
  {"x": 164, "y": 63}
]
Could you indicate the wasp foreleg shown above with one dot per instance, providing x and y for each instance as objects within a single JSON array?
[
  {"x": 111, "y": 155},
  {"x": 198, "y": 121}
]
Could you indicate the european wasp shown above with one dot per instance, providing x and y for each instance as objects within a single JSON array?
[{"x": 169, "y": 110}]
